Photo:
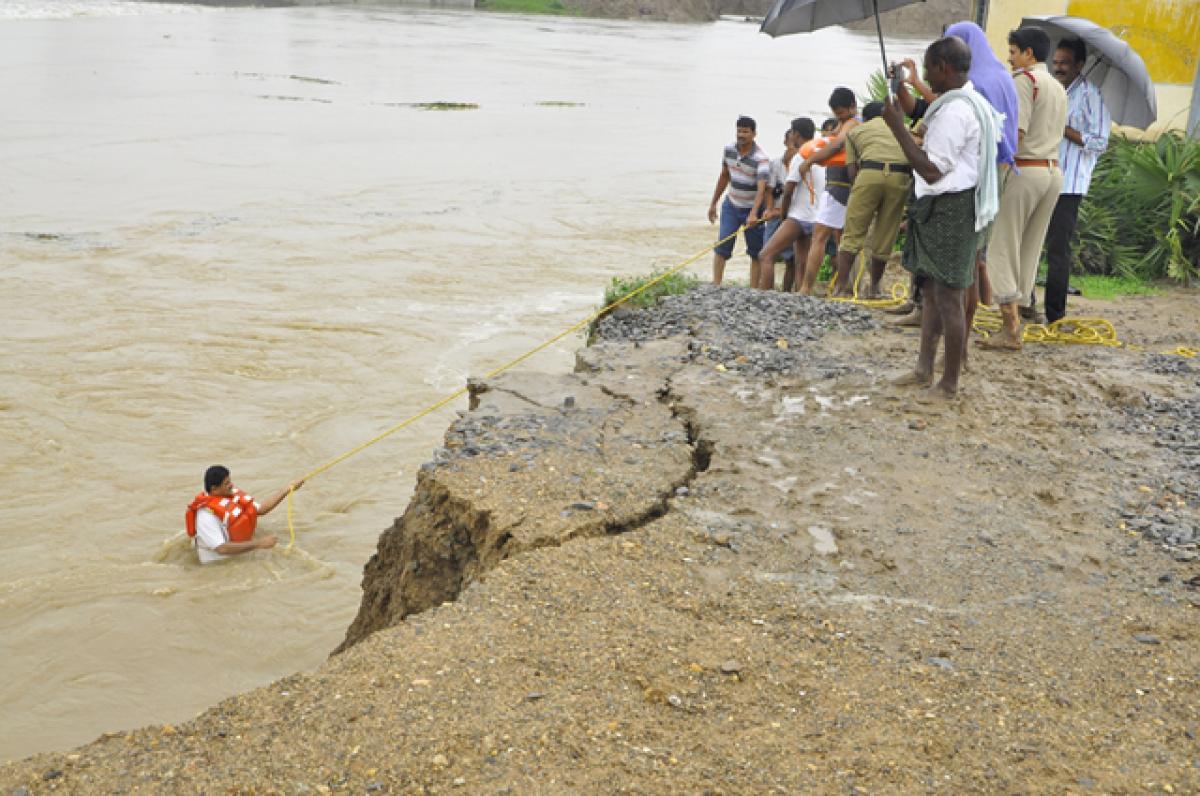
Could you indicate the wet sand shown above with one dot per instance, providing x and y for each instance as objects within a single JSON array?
[{"x": 847, "y": 591}]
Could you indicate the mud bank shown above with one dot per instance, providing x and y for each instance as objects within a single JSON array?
[{"x": 726, "y": 556}]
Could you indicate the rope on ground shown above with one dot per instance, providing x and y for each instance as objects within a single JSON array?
[
  {"x": 899, "y": 291},
  {"x": 496, "y": 372}
]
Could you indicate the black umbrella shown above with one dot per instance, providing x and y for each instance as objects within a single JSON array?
[{"x": 805, "y": 16}]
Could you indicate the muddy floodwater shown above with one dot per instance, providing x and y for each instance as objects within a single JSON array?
[{"x": 237, "y": 236}]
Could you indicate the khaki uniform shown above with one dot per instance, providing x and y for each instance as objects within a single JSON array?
[
  {"x": 880, "y": 189},
  {"x": 1029, "y": 192}
]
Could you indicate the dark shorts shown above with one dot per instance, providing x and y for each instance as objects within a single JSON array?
[{"x": 732, "y": 218}]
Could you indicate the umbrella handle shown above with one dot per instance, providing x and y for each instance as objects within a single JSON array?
[{"x": 882, "y": 52}]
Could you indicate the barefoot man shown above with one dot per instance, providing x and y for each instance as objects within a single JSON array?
[{"x": 956, "y": 199}]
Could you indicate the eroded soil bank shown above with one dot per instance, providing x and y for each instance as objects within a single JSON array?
[{"x": 726, "y": 556}]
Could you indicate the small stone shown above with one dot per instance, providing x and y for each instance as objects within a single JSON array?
[
  {"x": 460, "y": 781},
  {"x": 943, "y": 663},
  {"x": 440, "y": 760},
  {"x": 1146, "y": 638},
  {"x": 731, "y": 667},
  {"x": 534, "y": 696},
  {"x": 583, "y": 505},
  {"x": 569, "y": 402},
  {"x": 917, "y": 424},
  {"x": 53, "y": 773},
  {"x": 674, "y": 701},
  {"x": 682, "y": 491}
]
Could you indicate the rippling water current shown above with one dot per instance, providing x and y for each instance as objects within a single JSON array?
[{"x": 230, "y": 236}]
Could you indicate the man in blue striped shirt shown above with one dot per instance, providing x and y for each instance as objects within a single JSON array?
[
  {"x": 745, "y": 171},
  {"x": 1084, "y": 140}
]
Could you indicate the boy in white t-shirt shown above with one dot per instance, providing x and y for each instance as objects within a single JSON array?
[{"x": 799, "y": 211}]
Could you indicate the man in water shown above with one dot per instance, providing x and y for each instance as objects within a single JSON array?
[
  {"x": 881, "y": 178},
  {"x": 831, "y": 213},
  {"x": 222, "y": 518},
  {"x": 1084, "y": 140},
  {"x": 956, "y": 198},
  {"x": 745, "y": 171}
]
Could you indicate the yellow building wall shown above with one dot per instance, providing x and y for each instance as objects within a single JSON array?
[{"x": 1166, "y": 33}]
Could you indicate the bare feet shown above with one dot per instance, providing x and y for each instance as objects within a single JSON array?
[
  {"x": 913, "y": 378},
  {"x": 913, "y": 319},
  {"x": 937, "y": 393}
]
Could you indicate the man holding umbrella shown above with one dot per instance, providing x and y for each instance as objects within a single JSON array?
[{"x": 1084, "y": 140}]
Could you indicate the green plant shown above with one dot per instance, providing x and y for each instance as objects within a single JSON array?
[
  {"x": 1141, "y": 218},
  {"x": 679, "y": 282},
  {"x": 620, "y": 286}
]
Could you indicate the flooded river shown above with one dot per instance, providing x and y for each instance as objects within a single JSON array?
[{"x": 233, "y": 235}]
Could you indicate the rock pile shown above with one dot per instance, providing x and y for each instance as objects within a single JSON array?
[
  {"x": 1169, "y": 514},
  {"x": 752, "y": 331}
]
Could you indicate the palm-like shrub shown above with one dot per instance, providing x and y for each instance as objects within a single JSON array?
[{"x": 1141, "y": 217}]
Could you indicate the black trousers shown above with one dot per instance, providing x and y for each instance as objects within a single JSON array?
[{"x": 1058, "y": 254}]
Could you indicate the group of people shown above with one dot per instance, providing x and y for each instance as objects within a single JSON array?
[{"x": 985, "y": 165}]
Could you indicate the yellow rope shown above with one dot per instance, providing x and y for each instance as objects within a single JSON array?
[
  {"x": 492, "y": 374},
  {"x": 899, "y": 291}
]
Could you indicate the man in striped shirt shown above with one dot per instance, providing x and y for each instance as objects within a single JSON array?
[
  {"x": 1084, "y": 140},
  {"x": 745, "y": 171}
]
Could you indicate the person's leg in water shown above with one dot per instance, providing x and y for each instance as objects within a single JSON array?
[
  {"x": 783, "y": 239},
  {"x": 931, "y": 333},
  {"x": 816, "y": 256},
  {"x": 948, "y": 307}
]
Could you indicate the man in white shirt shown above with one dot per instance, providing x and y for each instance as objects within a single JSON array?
[
  {"x": 223, "y": 519},
  {"x": 799, "y": 211},
  {"x": 1084, "y": 141},
  {"x": 956, "y": 196}
]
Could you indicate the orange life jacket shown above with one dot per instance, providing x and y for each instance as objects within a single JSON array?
[
  {"x": 820, "y": 143},
  {"x": 238, "y": 514}
]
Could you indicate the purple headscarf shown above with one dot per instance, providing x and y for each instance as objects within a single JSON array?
[{"x": 993, "y": 80}]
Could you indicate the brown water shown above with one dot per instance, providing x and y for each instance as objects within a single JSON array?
[{"x": 225, "y": 238}]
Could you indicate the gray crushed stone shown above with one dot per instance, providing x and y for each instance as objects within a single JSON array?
[
  {"x": 1169, "y": 515},
  {"x": 738, "y": 327}
]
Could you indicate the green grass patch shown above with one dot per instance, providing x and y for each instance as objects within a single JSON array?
[
  {"x": 554, "y": 7},
  {"x": 676, "y": 283},
  {"x": 1107, "y": 288},
  {"x": 560, "y": 104}
]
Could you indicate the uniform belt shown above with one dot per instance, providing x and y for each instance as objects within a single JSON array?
[
  {"x": 1046, "y": 163},
  {"x": 887, "y": 167}
]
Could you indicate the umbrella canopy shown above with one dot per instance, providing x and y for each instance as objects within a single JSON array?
[
  {"x": 1113, "y": 67},
  {"x": 805, "y": 16}
]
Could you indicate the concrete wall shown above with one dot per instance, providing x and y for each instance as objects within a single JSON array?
[{"x": 1166, "y": 33}]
